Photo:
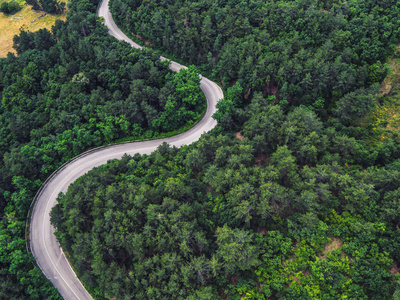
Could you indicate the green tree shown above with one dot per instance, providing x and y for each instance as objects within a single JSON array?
[
  {"x": 355, "y": 105},
  {"x": 236, "y": 250}
]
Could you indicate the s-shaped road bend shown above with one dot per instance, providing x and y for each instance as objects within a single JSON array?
[{"x": 44, "y": 246}]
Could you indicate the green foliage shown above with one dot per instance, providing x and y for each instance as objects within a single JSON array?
[
  {"x": 40, "y": 40},
  {"x": 52, "y": 6},
  {"x": 10, "y": 7},
  {"x": 69, "y": 90},
  {"x": 230, "y": 217},
  {"x": 226, "y": 107},
  {"x": 297, "y": 209},
  {"x": 185, "y": 104},
  {"x": 34, "y": 3},
  {"x": 356, "y": 104},
  {"x": 235, "y": 250},
  {"x": 187, "y": 83},
  {"x": 305, "y": 52}
]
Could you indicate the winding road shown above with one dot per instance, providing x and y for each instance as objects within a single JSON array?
[{"x": 44, "y": 246}]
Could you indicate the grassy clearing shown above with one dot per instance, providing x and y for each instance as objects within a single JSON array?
[
  {"x": 25, "y": 19},
  {"x": 384, "y": 120}
]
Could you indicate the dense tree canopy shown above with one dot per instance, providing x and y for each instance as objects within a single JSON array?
[
  {"x": 308, "y": 52},
  {"x": 297, "y": 205},
  {"x": 68, "y": 90},
  {"x": 290, "y": 211}
]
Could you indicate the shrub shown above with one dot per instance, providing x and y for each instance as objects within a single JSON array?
[
  {"x": 13, "y": 7},
  {"x": 10, "y": 7}
]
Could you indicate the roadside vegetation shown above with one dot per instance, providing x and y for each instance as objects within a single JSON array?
[
  {"x": 9, "y": 7},
  {"x": 292, "y": 210},
  {"x": 306, "y": 52},
  {"x": 68, "y": 90},
  {"x": 289, "y": 198}
]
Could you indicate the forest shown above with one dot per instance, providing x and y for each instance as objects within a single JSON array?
[
  {"x": 285, "y": 212},
  {"x": 287, "y": 199},
  {"x": 67, "y": 91},
  {"x": 308, "y": 52}
]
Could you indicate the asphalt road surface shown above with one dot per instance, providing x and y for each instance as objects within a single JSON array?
[{"x": 44, "y": 246}]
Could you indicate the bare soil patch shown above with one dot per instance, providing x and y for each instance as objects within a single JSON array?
[
  {"x": 395, "y": 270},
  {"x": 333, "y": 245},
  {"x": 239, "y": 136}
]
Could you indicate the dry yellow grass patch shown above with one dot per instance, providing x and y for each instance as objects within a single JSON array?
[{"x": 25, "y": 19}]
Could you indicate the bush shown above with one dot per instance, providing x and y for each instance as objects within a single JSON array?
[
  {"x": 34, "y": 3},
  {"x": 52, "y": 6},
  {"x": 13, "y": 7},
  {"x": 4, "y": 7},
  {"x": 10, "y": 7}
]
